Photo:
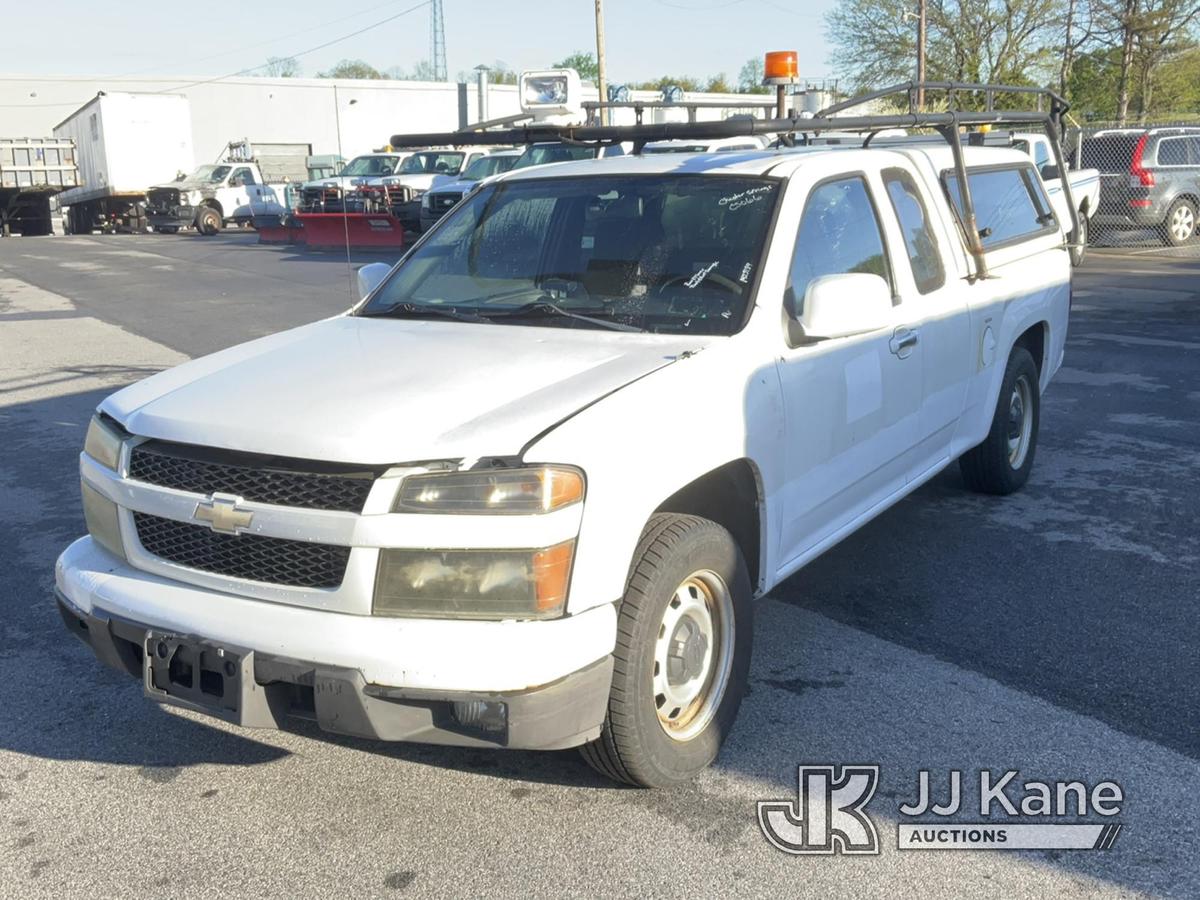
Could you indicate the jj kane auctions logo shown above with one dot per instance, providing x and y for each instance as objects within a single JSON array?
[{"x": 829, "y": 814}]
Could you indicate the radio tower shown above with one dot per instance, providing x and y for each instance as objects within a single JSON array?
[{"x": 437, "y": 41}]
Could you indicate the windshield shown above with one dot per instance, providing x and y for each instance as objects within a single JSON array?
[
  {"x": 487, "y": 166},
  {"x": 663, "y": 253},
  {"x": 210, "y": 174},
  {"x": 540, "y": 154},
  {"x": 373, "y": 166},
  {"x": 432, "y": 164}
]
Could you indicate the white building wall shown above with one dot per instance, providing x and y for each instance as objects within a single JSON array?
[{"x": 274, "y": 110}]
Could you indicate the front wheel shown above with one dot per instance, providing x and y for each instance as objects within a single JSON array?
[
  {"x": 682, "y": 658},
  {"x": 208, "y": 221},
  {"x": 1001, "y": 464}
]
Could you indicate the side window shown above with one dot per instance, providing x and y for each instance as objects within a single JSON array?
[
  {"x": 1173, "y": 152},
  {"x": 242, "y": 176},
  {"x": 839, "y": 233},
  {"x": 1041, "y": 154},
  {"x": 919, "y": 240},
  {"x": 1194, "y": 143},
  {"x": 1005, "y": 205}
]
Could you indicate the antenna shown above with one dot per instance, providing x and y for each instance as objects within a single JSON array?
[{"x": 437, "y": 41}]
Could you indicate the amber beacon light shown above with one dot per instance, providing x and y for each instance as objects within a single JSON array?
[{"x": 781, "y": 67}]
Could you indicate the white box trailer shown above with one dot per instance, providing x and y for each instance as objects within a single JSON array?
[{"x": 124, "y": 143}]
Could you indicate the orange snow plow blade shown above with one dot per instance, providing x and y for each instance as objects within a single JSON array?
[
  {"x": 278, "y": 229},
  {"x": 324, "y": 231}
]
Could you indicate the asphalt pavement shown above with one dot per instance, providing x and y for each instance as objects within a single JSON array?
[{"x": 1054, "y": 632}]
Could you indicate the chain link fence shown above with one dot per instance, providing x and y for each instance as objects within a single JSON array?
[{"x": 1149, "y": 184}]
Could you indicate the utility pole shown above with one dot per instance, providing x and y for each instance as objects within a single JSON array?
[
  {"x": 921, "y": 53},
  {"x": 603, "y": 87}
]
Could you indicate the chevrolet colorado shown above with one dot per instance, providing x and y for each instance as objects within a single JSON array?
[{"x": 525, "y": 492}]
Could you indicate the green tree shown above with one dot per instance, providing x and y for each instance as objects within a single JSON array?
[
  {"x": 582, "y": 62},
  {"x": 750, "y": 77},
  {"x": 499, "y": 72},
  {"x": 352, "y": 68},
  {"x": 967, "y": 40}
]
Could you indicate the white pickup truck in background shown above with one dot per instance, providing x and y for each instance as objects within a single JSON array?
[
  {"x": 1085, "y": 187},
  {"x": 234, "y": 191},
  {"x": 525, "y": 493}
]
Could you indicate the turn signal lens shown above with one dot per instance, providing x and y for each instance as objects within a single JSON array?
[
  {"x": 781, "y": 64},
  {"x": 103, "y": 523},
  {"x": 492, "y": 491},
  {"x": 474, "y": 584}
]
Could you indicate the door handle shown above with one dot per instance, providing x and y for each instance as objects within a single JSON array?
[{"x": 903, "y": 340}]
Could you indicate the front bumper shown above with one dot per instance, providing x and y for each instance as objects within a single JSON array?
[
  {"x": 171, "y": 217},
  {"x": 391, "y": 679}
]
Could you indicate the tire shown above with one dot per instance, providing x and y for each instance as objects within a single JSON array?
[
  {"x": 1001, "y": 464},
  {"x": 1079, "y": 253},
  {"x": 208, "y": 221},
  {"x": 1179, "y": 226},
  {"x": 685, "y": 569}
]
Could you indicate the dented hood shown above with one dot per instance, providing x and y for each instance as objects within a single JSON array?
[{"x": 380, "y": 391}]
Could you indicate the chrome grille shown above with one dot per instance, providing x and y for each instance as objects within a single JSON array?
[
  {"x": 255, "y": 477},
  {"x": 250, "y": 556}
]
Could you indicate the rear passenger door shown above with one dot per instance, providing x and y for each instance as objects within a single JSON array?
[
  {"x": 851, "y": 403},
  {"x": 936, "y": 301}
]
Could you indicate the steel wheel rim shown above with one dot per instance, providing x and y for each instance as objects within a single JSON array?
[
  {"x": 1020, "y": 422},
  {"x": 1183, "y": 223},
  {"x": 693, "y": 655}
]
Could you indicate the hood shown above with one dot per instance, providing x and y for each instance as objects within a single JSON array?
[
  {"x": 380, "y": 391},
  {"x": 459, "y": 186},
  {"x": 423, "y": 182},
  {"x": 345, "y": 181},
  {"x": 185, "y": 187}
]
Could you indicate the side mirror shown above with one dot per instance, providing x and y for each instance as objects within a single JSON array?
[
  {"x": 1049, "y": 172},
  {"x": 369, "y": 277},
  {"x": 842, "y": 305}
]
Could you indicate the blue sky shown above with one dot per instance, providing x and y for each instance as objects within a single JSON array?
[{"x": 645, "y": 38}]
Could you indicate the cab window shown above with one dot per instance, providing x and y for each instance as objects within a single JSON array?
[
  {"x": 241, "y": 177},
  {"x": 919, "y": 241},
  {"x": 839, "y": 234}
]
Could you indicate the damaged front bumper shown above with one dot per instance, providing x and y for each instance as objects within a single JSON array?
[{"x": 262, "y": 690}]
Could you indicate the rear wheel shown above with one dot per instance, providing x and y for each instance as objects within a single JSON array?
[
  {"x": 1001, "y": 464},
  {"x": 1180, "y": 225},
  {"x": 1079, "y": 250},
  {"x": 682, "y": 657}
]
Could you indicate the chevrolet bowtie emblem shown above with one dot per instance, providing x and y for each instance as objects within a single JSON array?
[{"x": 220, "y": 512}]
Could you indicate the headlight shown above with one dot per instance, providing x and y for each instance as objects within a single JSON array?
[
  {"x": 103, "y": 443},
  {"x": 474, "y": 584},
  {"x": 184, "y": 201},
  {"x": 426, "y": 200},
  {"x": 498, "y": 491},
  {"x": 100, "y": 514}
]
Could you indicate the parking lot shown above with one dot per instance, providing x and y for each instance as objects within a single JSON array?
[{"x": 1054, "y": 631}]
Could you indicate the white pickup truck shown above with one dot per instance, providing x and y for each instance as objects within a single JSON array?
[
  {"x": 231, "y": 192},
  {"x": 1085, "y": 187},
  {"x": 525, "y": 492}
]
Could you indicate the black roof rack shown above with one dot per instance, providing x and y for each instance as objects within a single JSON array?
[{"x": 1049, "y": 113}]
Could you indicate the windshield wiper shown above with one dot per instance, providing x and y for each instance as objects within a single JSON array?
[
  {"x": 540, "y": 308},
  {"x": 421, "y": 311}
]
